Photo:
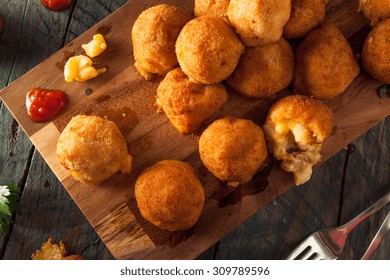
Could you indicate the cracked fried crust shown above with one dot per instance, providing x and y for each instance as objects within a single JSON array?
[{"x": 296, "y": 127}]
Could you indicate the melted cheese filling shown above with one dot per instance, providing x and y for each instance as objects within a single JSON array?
[
  {"x": 293, "y": 145},
  {"x": 80, "y": 68},
  {"x": 96, "y": 46}
]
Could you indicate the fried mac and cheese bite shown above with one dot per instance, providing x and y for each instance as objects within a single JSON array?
[
  {"x": 53, "y": 251},
  {"x": 93, "y": 149},
  {"x": 216, "y": 8},
  {"x": 324, "y": 63},
  {"x": 375, "y": 10},
  {"x": 188, "y": 103},
  {"x": 233, "y": 149},
  {"x": 263, "y": 71},
  {"x": 295, "y": 128},
  {"x": 305, "y": 16},
  {"x": 170, "y": 195},
  {"x": 208, "y": 49},
  {"x": 376, "y": 52},
  {"x": 259, "y": 22},
  {"x": 154, "y": 36}
]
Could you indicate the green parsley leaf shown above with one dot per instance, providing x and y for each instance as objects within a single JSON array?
[{"x": 9, "y": 202}]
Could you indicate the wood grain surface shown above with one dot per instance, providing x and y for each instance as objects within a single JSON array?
[{"x": 152, "y": 136}]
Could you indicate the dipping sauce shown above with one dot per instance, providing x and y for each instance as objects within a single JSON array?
[
  {"x": 56, "y": 5},
  {"x": 44, "y": 104}
]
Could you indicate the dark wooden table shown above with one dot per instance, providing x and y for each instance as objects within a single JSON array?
[{"x": 339, "y": 189}]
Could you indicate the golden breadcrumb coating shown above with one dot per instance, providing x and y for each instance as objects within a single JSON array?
[
  {"x": 263, "y": 71},
  {"x": 188, "y": 103},
  {"x": 216, "y": 8},
  {"x": 375, "y": 10},
  {"x": 208, "y": 49},
  {"x": 233, "y": 149},
  {"x": 376, "y": 52},
  {"x": 296, "y": 127},
  {"x": 259, "y": 22},
  {"x": 170, "y": 195},
  {"x": 93, "y": 149},
  {"x": 154, "y": 36},
  {"x": 305, "y": 16},
  {"x": 324, "y": 63},
  {"x": 53, "y": 251}
]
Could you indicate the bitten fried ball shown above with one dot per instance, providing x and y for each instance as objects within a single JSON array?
[
  {"x": 170, "y": 195},
  {"x": 259, "y": 22},
  {"x": 376, "y": 52},
  {"x": 263, "y": 71},
  {"x": 305, "y": 16},
  {"x": 93, "y": 149},
  {"x": 324, "y": 63},
  {"x": 233, "y": 149},
  {"x": 375, "y": 10},
  {"x": 296, "y": 127},
  {"x": 154, "y": 36},
  {"x": 216, "y": 8},
  {"x": 188, "y": 103},
  {"x": 208, "y": 49}
]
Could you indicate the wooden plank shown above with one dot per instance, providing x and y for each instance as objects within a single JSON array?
[
  {"x": 150, "y": 137},
  {"x": 367, "y": 180},
  {"x": 65, "y": 214}
]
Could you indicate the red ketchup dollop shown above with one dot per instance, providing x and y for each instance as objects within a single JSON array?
[
  {"x": 44, "y": 104},
  {"x": 56, "y": 5}
]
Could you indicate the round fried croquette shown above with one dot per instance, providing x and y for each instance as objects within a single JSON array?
[
  {"x": 93, "y": 149},
  {"x": 295, "y": 128},
  {"x": 188, "y": 103},
  {"x": 376, "y": 52},
  {"x": 324, "y": 63},
  {"x": 216, "y": 8},
  {"x": 208, "y": 49},
  {"x": 233, "y": 149},
  {"x": 154, "y": 36},
  {"x": 375, "y": 10},
  {"x": 170, "y": 195},
  {"x": 259, "y": 22},
  {"x": 263, "y": 71},
  {"x": 305, "y": 16}
]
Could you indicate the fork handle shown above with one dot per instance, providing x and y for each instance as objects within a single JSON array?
[
  {"x": 369, "y": 211},
  {"x": 378, "y": 238}
]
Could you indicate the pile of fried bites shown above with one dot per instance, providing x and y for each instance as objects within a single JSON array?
[{"x": 241, "y": 43}]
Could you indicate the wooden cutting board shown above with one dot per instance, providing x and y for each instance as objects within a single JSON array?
[{"x": 123, "y": 96}]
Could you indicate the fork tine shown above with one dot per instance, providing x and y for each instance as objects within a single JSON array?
[
  {"x": 294, "y": 254},
  {"x": 297, "y": 253},
  {"x": 308, "y": 253}
]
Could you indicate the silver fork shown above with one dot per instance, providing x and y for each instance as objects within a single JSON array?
[
  {"x": 378, "y": 238},
  {"x": 327, "y": 244}
]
